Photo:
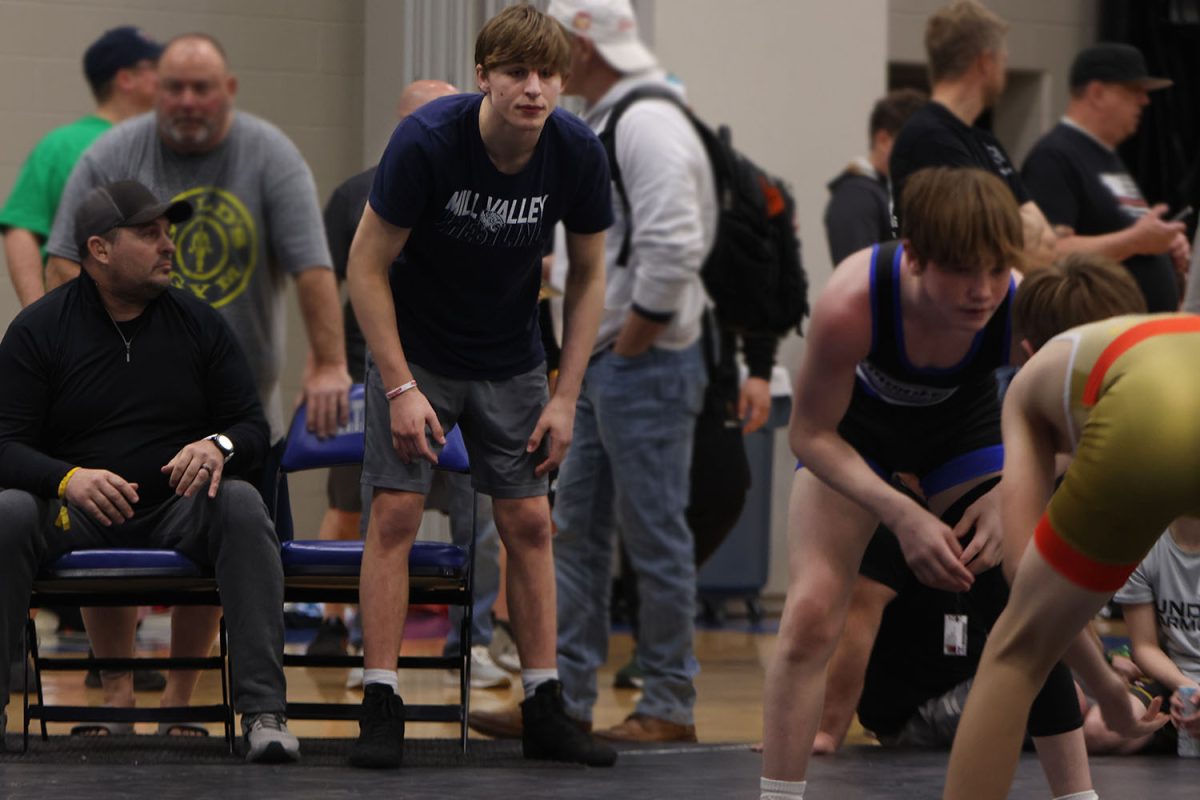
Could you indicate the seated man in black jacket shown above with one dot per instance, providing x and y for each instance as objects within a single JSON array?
[{"x": 127, "y": 411}]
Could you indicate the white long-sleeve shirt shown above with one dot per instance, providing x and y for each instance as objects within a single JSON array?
[{"x": 669, "y": 181}]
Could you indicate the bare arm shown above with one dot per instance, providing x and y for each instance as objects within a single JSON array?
[
  {"x": 583, "y": 303},
  {"x": 1029, "y": 452},
  {"x": 376, "y": 244},
  {"x": 848, "y": 668},
  {"x": 24, "y": 255},
  {"x": 839, "y": 337},
  {"x": 59, "y": 270},
  {"x": 1150, "y": 235},
  {"x": 1040, "y": 240},
  {"x": 1147, "y": 652},
  {"x": 326, "y": 379},
  {"x": 1153, "y": 660}
]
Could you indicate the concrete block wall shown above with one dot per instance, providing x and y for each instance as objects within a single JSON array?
[{"x": 299, "y": 64}]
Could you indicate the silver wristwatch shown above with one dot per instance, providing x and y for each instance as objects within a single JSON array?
[{"x": 223, "y": 443}]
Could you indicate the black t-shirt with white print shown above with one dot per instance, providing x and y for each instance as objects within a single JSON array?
[{"x": 1080, "y": 183}]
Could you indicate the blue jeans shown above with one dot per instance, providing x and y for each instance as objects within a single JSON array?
[{"x": 628, "y": 469}]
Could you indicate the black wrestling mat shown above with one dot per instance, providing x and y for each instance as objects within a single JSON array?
[
  {"x": 154, "y": 769},
  {"x": 180, "y": 750}
]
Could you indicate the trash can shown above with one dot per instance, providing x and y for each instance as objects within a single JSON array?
[{"x": 738, "y": 569}]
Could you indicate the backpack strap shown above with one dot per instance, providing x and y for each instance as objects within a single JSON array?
[{"x": 608, "y": 138}]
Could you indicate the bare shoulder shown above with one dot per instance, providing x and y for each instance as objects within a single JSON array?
[
  {"x": 1037, "y": 389},
  {"x": 841, "y": 318}
]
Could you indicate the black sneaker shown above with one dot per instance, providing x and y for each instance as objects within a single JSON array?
[
  {"x": 331, "y": 639},
  {"x": 548, "y": 733},
  {"x": 380, "y": 743}
]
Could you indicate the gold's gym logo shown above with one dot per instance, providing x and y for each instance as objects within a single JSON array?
[{"x": 215, "y": 250}]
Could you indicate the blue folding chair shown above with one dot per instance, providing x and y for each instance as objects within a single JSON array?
[
  {"x": 328, "y": 571},
  {"x": 124, "y": 577}
]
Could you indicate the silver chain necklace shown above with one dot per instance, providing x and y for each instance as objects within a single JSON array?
[{"x": 121, "y": 333}]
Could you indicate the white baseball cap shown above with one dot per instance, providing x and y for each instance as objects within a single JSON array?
[{"x": 611, "y": 26}]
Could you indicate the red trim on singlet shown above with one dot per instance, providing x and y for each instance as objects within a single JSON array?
[
  {"x": 1120, "y": 345},
  {"x": 1074, "y": 565}
]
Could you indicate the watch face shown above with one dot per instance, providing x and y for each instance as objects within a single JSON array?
[{"x": 223, "y": 443}]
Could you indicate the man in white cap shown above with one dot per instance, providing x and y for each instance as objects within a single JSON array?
[{"x": 629, "y": 466}]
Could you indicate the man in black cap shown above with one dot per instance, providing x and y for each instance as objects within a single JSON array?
[
  {"x": 1079, "y": 181},
  {"x": 128, "y": 416},
  {"x": 120, "y": 70}
]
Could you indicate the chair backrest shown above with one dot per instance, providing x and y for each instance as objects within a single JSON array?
[{"x": 304, "y": 450}]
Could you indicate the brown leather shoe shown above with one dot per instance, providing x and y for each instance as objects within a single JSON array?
[
  {"x": 506, "y": 723},
  {"x": 641, "y": 728}
]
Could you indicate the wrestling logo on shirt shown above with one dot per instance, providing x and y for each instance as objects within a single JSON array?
[
  {"x": 1125, "y": 191},
  {"x": 896, "y": 392},
  {"x": 483, "y": 219},
  {"x": 215, "y": 250}
]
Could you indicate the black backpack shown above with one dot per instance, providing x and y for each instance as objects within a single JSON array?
[{"x": 753, "y": 272}]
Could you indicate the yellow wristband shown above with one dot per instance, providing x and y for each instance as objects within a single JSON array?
[
  {"x": 64, "y": 519},
  {"x": 62, "y": 485}
]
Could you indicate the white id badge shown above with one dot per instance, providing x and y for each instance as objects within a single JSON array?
[{"x": 954, "y": 635}]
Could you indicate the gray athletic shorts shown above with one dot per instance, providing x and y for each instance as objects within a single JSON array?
[
  {"x": 496, "y": 418},
  {"x": 343, "y": 488}
]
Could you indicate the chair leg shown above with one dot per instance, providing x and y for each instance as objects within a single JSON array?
[
  {"x": 465, "y": 627},
  {"x": 227, "y": 690},
  {"x": 37, "y": 677},
  {"x": 223, "y": 644},
  {"x": 30, "y": 633}
]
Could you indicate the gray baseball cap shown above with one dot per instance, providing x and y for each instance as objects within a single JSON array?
[{"x": 121, "y": 205}]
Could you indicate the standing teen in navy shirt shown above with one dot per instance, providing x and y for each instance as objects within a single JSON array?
[{"x": 466, "y": 193}]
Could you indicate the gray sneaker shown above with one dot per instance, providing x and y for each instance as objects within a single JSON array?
[{"x": 268, "y": 740}]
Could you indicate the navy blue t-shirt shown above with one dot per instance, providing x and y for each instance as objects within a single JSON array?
[{"x": 466, "y": 284}]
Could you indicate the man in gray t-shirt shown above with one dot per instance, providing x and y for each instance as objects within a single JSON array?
[{"x": 257, "y": 220}]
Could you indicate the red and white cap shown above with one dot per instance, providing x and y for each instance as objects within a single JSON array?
[{"x": 611, "y": 26}]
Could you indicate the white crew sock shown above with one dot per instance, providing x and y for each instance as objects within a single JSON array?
[
  {"x": 531, "y": 679},
  {"x": 385, "y": 676},
  {"x": 1090, "y": 794},
  {"x": 780, "y": 790}
]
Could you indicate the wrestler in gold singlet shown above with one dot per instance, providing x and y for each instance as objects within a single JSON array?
[{"x": 1131, "y": 413}]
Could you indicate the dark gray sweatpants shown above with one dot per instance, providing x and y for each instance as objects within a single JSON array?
[{"x": 230, "y": 533}]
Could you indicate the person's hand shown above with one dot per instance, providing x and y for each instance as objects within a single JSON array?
[
  {"x": 1181, "y": 717},
  {"x": 195, "y": 465},
  {"x": 1130, "y": 719},
  {"x": 104, "y": 496},
  {"x": 1181, "y": 255},
  {"x": 754, "y": 403},
  {"x": 1124, "y": 666},
  {"x": 986, "y": 548},
  {"x": 411, "y": 414},
  {"x": 557, "y": 421},
  {"x": 1153, "y": 235},
  {"x": 932, "y": 550},
  {"x": 326, "y": 395}
]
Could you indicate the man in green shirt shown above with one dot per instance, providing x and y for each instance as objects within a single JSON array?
[{"x": 120, "y": 69}]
